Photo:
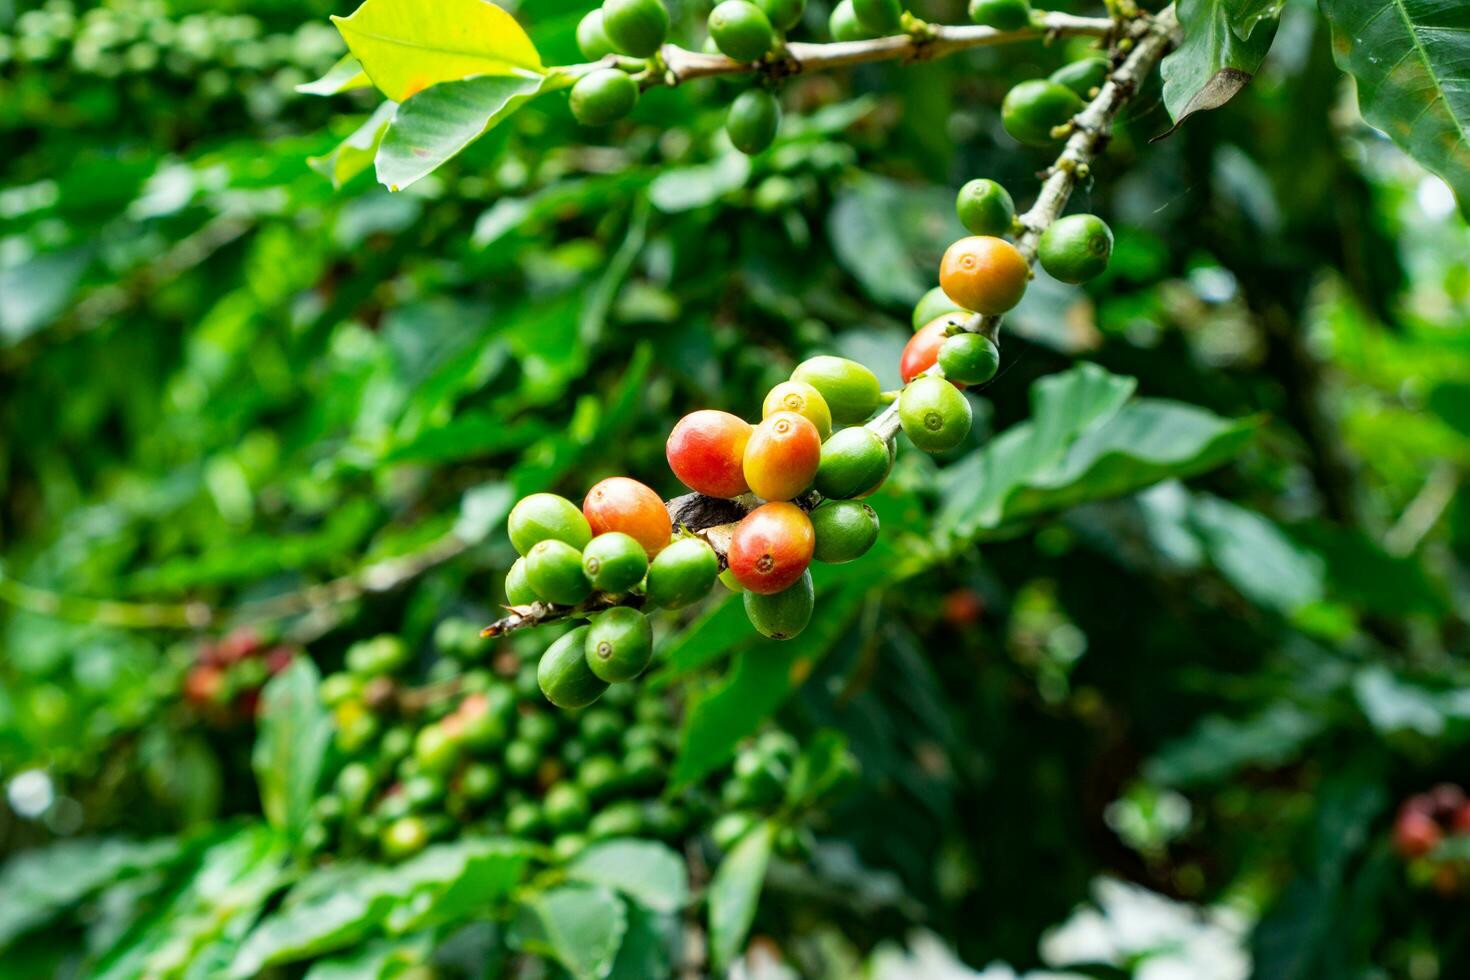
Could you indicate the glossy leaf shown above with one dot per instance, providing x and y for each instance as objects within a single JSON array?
[
  {"x": 1220, "y": 53},
  {"x": 355, "y": 153},
  {"x": 647, "y": 872},
  {"x": 291, "y": 746},
  {"x": 344, "y": 76},
  {"x": 734, "y": 892},
  {"x": 579, "y": 926}
]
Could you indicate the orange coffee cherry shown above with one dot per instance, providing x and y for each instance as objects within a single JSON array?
[
  {"x": 782, "y": 456},
  {"x": 984, "y": 274},
  {"x": 621, "y": 504}
]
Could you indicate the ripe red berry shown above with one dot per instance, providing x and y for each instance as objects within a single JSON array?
[
  {"x": 771, "y": 547},
  {"x": 706, "y": 451},
  {"x": 1460, "y": 822},
  {"x": 922, "y": 350},
  {"x": 1415, "y": 833},
  {"x": 782, "y": 456},
  {"x": 621, "y": 504}
]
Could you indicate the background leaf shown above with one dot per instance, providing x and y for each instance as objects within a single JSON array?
[
  {"x": 1221, "y": 51},
  {"x": 579, "y": 926},
  {"x": 647, "y": 872},
  {"x": 734, "y": 892},
  {"x": 291, "y": 747}
]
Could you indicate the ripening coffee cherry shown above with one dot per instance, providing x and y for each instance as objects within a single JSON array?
[
  {"x": 782, "y": 615},
  {"x": 706, "y": 451},
  {"x": 850, "y": 390},
  {"x": 684, "y": 572},
  {"x": 1075, "y": 248},
  {"x": 783, "y": 14},
  {"x": 554, "y": 569},
  {"x": 619, "y": 645},
  {"x": 604, "y": 96},
  {"x": 543, "y": 516},
  {"x": 1416, "y": 833},
  {"x": 564, "y": 676},
  {"x": 968, "y": 358},
  {"x": 752, "y": 120},
  {"x": 518, "y": 591},
  {"x": 844, "y": 23},
  {"x": 782, "y": 456},
  {"x": 934, "y": 415},
  {"x": 636, "y": 27},
  {"x": 933, "y": 305},
  {"x": 845, "y": 530},
  {"x": 1032, "y": 109},
  {"x": 771, "y": 547},
  {"x": 614, "y": 562},
  {"x": 879, "y": 16},
  {"x": 741, "y": 30},
  {"x": 592, "y": 40},
  {"x": 621, "y": 504},
  {"x": 481, "y": 725},
  {"x": 404, "y": 837},
  {"x": 1003, "y": 15},
  {"x": 922, "y": 351},
  {"x": 804, "y": 400},
  {"x": 855, "y": 462},
  {"x": 984, "y": 274},
  {"x": 985, "y": 208}
]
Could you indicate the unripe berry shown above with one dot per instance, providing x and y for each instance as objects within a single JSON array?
[
  {"x": 481, "y": 726},
  {"x": 934, "y": 415},
  {"x": 378, "y": 655},
  {"x": 879, "y": 16},
  {"x": 525, "y": 819},
  {"x": 782, "y": 615},
  {"x": 1075, "y": 248},
  {"x": 783, "y": 14},
  {"x": 845, "y": 530},
  {"x": 621, "y": 504},
  {"x": 404, "y": 837},
  {"x": 479, "y": 782},
  {"x": 1032, "y": 109},
  {"x": 855, "y": 462},
  {"x": 850, "y": 390},
  {"x": 565, "y": 678},
  {"x": 729, "y": 581},
  {"x": 543, "y": 516},
  {"x": 706, "y": 451},
  {"x": 637, "y": 27},
  {"x": 932, "y": 306},
  {"x": 619, "y": 645},
  {"x": 518, "y": 591},
  {"x": 684, "y": 572},
  {"x": 741, "y": 30},
  {"x": 566, "y": 807},
  {"x": 985, "y": 208},
  {"x": 969, "y": 358},
  {"x": 603, "y": 97},
  {"x": 922, "y": 351},
  {"x": 752, "y": 121},
  {"x": 614, "y": 562},
  {"x": 771, "y": 547},
  {"x": 782, "y": 456},
  {"x": 621, "y": 819},
  {"x": 844, "y": 23},
  {"x": 804, "y": 400},
  {"x": 984, "y": 274},
  {"x": 1082, "y": 76},
  {"x": 1003, "y": 15},
  {"x": 436, "y": 749},
  {"x": 592, "y": 40},
  {"x": 554, "y": 569}
]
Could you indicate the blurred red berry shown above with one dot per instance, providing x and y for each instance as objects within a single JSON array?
[
  {"x": 963, "y": 607},
  {"x": 1415, "y": 833}
]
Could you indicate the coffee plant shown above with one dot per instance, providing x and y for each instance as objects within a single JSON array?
[{"x": 881, "y": 488}]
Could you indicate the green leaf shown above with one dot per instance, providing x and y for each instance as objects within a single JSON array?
[
  {"x": 1219, "y": 747},
  {"x": 882, "y": 233},
  {"x": 405, "y": 46},
  {"x": 34, "y": 292},
  {"x": 380, "y": 959},
  {"x": 437, "y": 123},
  {"x": 579, "y": 926},
  {"x": 344, "y": 76},
  {"x": 735, "y": 891},
  {"x": 647, "y": 872},
  {"x": 1254, "y": 554},
  {"x": 651, "y": 946},
  {"x": 291, "y": 746},
  {"x": 686, "y": 188},
  {"x": 1394, "y": 704},
  {"x": 1222, "y": 48},
  {"x": 1411, "y": 60},
  {"x": 355, "y": 153},
  {"x": 823, "y": 765}
]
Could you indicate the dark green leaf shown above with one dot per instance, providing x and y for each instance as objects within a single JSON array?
[
  {"x": 647, "y": 872},
  {"x": 1218, "y": 747},
  {"x": 1220, "y": 53}
]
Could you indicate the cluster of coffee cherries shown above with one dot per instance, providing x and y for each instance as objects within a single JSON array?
[
  {"x": 224, "y": 681},
  {"x": 1425, "y": 821}
]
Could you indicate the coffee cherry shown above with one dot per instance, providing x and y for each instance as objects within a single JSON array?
[
  {"x": 771, "y": 547},
  {"x": 984, "y": 274},
  {"x": 932, "y": 306},
  {"x": 637, "y": 27},
  {"x": 614, "y": 562},
  {"x": 782, "y": 615},
  {"x": 1082, "y": 76},
  {"x": 404, "y": 837},
  {"x": 422, "y": 791},
  {"x": 518, "y": 591},
  {"x": 969, "y": 358},
  {"x": 603, "y": 97},
  {"x": 934, "y": 415},
  {"x": 782, "y": 456},
  {"x": 592, "y": 40},
  {"x": 621, "y": 819},
  {"x": 436, "y": 749},
  {"x": 684, "y": 572},
  {"x": 879, "y": 16},
  {"x": 621, "y": 504},
  {"x": 619, "y": 645},
  {"x": 855, "y": 462},
  {"x": 706, "y": 451},
  {"x": 804, "y": 400},
  {"x": 922, "y": 351},
  {"x": 1415, "y": 833},
  {"x": 752, "y": 120},
  {"x": 729, "y": 581},
  {"x": 554, "y": 569},
  {"x": 601, "y": 726},
  {"x": 354, "y": 784},
  {"x": 543, "y": 516},
  {"x": 566, "y": 807},
  {"x": 643, "y": 767},
  {"x": 481, "y": 727},
  {"x": 845, "y": 530},
  {"x": 599, "y": 775},
  {"x": 377, "y": 656},
  {"x": 985, "y": 207},
  {"x": 1075, "y": 248},
  {"x": 844, "y": 23},
  {"x": 783, "y": 14},
  {"x": 1032, "y": 109},
  {"x": 731, "y": 828},
  {"x": 741, "y": 30},
  {"x": 525, "y": 819},
  {"x": 479, "y": 782},
  {"x": 1003, "y": 15},
  {"x": 522, "y": 758},
  {"x": 850, "y": 390},
  {"x": 565, "y": 678}
]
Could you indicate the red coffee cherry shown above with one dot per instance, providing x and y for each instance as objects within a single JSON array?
[
  {"x": 621, "y": 504},
  {"x": 1415, "y": 833},
  {"x": 706, "y": 451},
  {"x": 771, "y": 547},
  {"x": 922, "y": 351},
  {"x": 782, "y": 456}
]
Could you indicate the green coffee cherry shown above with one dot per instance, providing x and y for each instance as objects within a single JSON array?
[
  {"x": 536, "y": 728},
  {"x": 564, "y": 676},
  {"x": 604, "y": 96},
  {"x": 855, "y": 462},
  {"x": 379, "y": 655},
  {"x": 599, "y": 775},
  {"x": 423, "y": 790},
  {"x": 479, "y": 782},
  {"x": 1032, "y": 109},
  {"x": 545, "y": 516},
  {"x": 844, "y": 23},
  {"x": 879, "y": 16},
  {"x": 731, "y": 828},
  {"x": 404, "y": 837},
  {"x": 397, "y": 743},
  {"x": 601, "y": 726},
  {"x": 1082, "y": 76},
  {"x": 682, "y": 573},
  {"x": 850, "y": 390},
  {"x": 566, "y": 808},
  {"x": 985, "y": 208},
  {"x": 741, "y": 30},
  {"x": 1076, "y": 248},
  {"x": 518, "y": 591},
  {"x": 567, "y": 846},
  {"x": 483, "y": 729},
  {"x": 457, "y": 637},
  {"x": 435, "y": 749},
  {"x": 339, "y": 688},
  {"x": 643, "y": 767},
  {"x": 354, "y": 785},
  {"x": 933, "y": 305},
  {"x": 614, "y": 562},
  {"x": 783, "y": 14},
  {"x": 636, "y": 27},
  {"x": 783, "y": 614},
  {"x": 729, "y": 581},
  {"x": 752, "y": 120},
  {"x": 643, "y": 736},
  {"x": 592, "y": 40},
  {"x": 969, "y": 358},
  {"x": 934, "y": 415},
  {"x": 554, "y": 569},
  {"x": 845, "y": 530},
  {"x": 621, "y": 819},
  {"x": 1003, "y": 15},
  {"x": 525, "y": 819},
  {"x": 619, "y": 645}
]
